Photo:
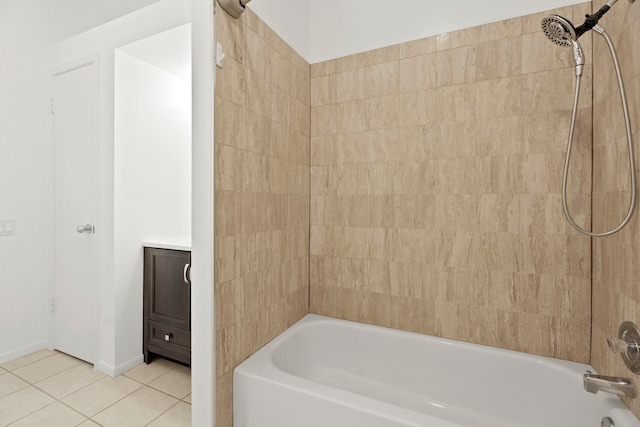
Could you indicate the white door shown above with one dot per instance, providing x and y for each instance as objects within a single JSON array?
[{"x": 76, "y": 147}]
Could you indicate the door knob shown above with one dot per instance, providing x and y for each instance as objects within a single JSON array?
[{"x": 88, "y": 228}]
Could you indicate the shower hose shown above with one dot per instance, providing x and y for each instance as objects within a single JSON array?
[{"x": 632, "y": 167}]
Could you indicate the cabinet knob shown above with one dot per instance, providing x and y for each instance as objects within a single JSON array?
[{"x": 167, "y": 337}]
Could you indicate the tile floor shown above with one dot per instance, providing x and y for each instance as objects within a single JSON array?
[{"x": 52, "y": 389}]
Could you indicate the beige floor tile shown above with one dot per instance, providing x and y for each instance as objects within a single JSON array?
[
  {"x": 55, "y": 415},
  {"x": 28, "y": 359},
  {"x": 69, "y": 381},
  {"x": 136, "y": 410},
  {"x": 178, "y": 416},
  {"x": 101, "y": 394},
  {"x": 9, "y": 383},
  {"x": 89, "y": 423},
  {"x": 83, "y": 392},
  {"x": 148, "y": 373},
  {"x": 182, "y": 368},
  {"x": 46, "y": 368},
  {"x": 176, "y": 382},
  {"x": 22, "y": 403}
]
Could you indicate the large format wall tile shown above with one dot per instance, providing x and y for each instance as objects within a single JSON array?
[
  {"x": 435, "y": 189},
  {"x": 262, "y": 137}
]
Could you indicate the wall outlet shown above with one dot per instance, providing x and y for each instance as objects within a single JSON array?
[{"x": 7, "y": 227}]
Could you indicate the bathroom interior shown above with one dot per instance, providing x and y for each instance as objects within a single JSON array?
[{"x": 406, "y": 176}]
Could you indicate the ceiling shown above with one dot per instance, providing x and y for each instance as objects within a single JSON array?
[{"x": 31, "y": 24}]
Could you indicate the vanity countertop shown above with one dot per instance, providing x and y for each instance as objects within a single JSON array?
[{"x": 176, "y": 245}]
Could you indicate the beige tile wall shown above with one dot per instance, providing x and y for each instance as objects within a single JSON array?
[
  {"x": 262, "y": 134},
  {"x": 435, "y": 181},
  {"x": 435, "y": 176},
  {"x": 616, "y": 277}
]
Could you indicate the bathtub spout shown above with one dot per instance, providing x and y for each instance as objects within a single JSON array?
[{"x": 621, "y": 386}]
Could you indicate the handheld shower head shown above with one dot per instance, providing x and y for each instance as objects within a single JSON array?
[
  {"x": 559, "y": 30},
  {"x": 562, "y": 32}
]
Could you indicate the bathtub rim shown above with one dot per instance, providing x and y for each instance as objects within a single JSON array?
[{"x": 568, "y": 366}]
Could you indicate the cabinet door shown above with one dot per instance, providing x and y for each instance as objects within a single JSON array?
[{"x": 167, "y": 295}]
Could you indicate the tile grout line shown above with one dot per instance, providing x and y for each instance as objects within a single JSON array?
[
  {"x": 21, "y": 388},
  {"x": 143, "y": 385},
  {"x": 25, "y": 365},
  {"x": 51, "y": 404},
  {"x": 50, "y": 376},
  {"x": 34, "y": 385},
  {"x": 167, "y": 410},
  {"x": 59, "y": 400}
]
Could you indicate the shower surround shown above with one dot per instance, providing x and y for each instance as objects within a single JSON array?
[
  {"x": 262, "y": 135},
  {"x": 435, "y": 189},
  {"x": 434, "y": 174}
]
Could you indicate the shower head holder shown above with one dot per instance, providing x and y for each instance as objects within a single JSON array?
[{"x": 562, "y": 32}]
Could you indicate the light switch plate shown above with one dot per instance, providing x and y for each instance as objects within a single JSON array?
[{"x": 7, "y": 227}]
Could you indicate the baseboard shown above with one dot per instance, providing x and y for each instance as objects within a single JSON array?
[
  {"x": 124, "y": 367},
  {"x": 114, "y": 371},
  {"x": 32, "y": 348}
]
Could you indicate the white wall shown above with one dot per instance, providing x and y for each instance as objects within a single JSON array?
[
  {"x": 152, "y": 180},
  {"x": 344, "y": 27},
  {"x": 24, "y": 158},
  {"x": 320, "y": 30}
]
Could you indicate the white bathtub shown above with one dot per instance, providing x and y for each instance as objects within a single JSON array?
[{"x": 324, "y": 372}]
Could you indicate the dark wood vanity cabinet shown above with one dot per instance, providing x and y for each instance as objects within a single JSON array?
[{"x": 167, "y": 304}]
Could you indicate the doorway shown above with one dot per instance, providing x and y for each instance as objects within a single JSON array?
[
  {"x": 117, "y": 307},
  {"x": 74, "y": 112},
  {"x": 152, "y": 160}
]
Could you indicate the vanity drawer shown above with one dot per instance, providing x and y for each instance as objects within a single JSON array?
[{"x": 167, "y": 336}]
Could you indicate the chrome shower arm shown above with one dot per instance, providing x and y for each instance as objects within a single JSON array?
[{"x": 592, "y": 20}]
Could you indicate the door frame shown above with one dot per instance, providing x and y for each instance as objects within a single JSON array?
[{"x": 53, "y": 72}]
